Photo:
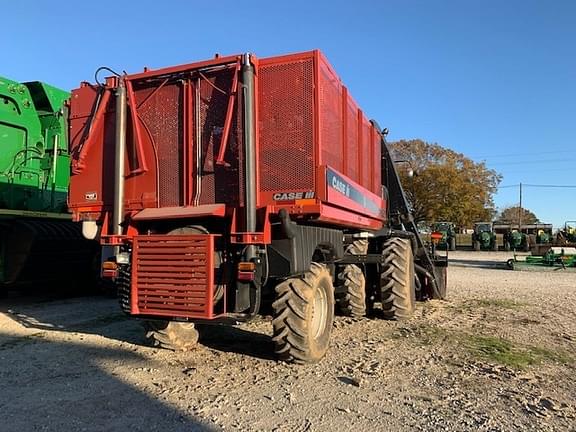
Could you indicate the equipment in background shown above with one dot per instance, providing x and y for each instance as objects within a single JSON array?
[
  {"x": 555, "y": 258},
  {"x": 448, "y": 231},
  {"x": 484, "y": 237},
  {"x": 38, "y": 240},
  {"x": 512, "y": 236},
  {"x": 237, "y": 183},
  {"x": 567, "y": 235}
]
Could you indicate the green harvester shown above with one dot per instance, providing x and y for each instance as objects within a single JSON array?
[{"x": 38, "y": 241}]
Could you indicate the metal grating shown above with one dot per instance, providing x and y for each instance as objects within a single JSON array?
[
  {"x": 173, "y": 276},
  {"x": 366, "y": 154},
  {"x": 376, "y": 163},
  {"x": 219, "y": 184},
  {"x": 330, "y": 118},
  {"x": 286, "y": 114},
  {"x": 162, "y": 116},
  {"x": 352, "y": 132}
]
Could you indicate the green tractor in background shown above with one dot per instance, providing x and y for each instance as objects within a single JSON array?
[
  {"x": 516, "y": 240},
  {"x": 448, "y": 231},
  {"x": 514, "y": 237},
  {"x": 568, "y": 234},
  {"x": 38, "y": 241},
  {"x": 484, "y": 237}
]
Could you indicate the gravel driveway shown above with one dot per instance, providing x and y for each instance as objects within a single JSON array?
[{"x": 498, "y": 355}]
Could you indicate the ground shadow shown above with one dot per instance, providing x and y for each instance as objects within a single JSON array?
[
  {"x": 236, "y": 340},
  {"x": 62, "y": 386}
]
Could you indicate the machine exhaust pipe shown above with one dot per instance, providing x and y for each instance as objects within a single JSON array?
[
  {"x": 119, "y": 156},
  {"x": 249, "y": 150}
]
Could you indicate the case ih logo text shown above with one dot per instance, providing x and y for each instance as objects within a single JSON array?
[
  {"x": 340, "y": 186},
  {"x": 91, "y": 196},
  {"x": 290, "y": 196}
]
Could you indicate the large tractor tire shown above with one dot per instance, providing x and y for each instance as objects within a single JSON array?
[
  {"x": 452, "y": 243},
  {"x": 172, "y": 335},
  {"x": 352, "y": 302},
  {"x": 303, "y": 316},
  {"x": 495, "y": 244},
  {"x": 397, "y": 279}
]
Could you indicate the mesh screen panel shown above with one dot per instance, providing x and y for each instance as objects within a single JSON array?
[
  {"x": 330, "y": 118},
  {"x": 376, "y": 173},
  {"x": 366, "y": 154},
  {"x": 219, "y": 184},
  {"x": 286, "y": 112},
  {"x": 352, "y": 143},
  {"x": 162, "y": 117}
]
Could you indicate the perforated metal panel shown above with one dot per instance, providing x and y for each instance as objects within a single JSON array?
[
  {"x": 286, "y": 94},
  {"x": 330, "y": 118},
  {"x": 352, "y": 143},
  {"x": 366, "y": 154},
  {"x": 162, "y": 117}
]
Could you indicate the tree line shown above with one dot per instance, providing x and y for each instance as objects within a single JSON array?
[{"x": 443, "y": 185}]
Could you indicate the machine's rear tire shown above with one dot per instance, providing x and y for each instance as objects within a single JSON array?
[
  {"x": 453, "y": 243},
  {"x": 476, "y": 245},
  {"x": 397, "y": 279},
  {"x": 507, "y": 247},
  {"x": 172, "y": 335},
  {"x": 495, "y": 245},
  {"x": 303, "y": 316},
  {"x": 352, "y": 302}
]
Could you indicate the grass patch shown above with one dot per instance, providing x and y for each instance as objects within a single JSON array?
[
  {"x": 507, "y": 353},
  {"x": 422, "y": 334},
  {"x": 471, "y": 305}
]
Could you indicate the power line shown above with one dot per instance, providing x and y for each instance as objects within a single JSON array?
[
  {"x": 538, "y": 186},
  {"x": 532, "y": 162},
  {"x": 516, "y": 154}
]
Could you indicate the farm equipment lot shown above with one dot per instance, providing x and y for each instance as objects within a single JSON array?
[{"x": 499, "y": 354}]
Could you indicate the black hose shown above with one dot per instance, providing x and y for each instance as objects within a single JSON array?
[
  {"x": 432, "y": 279},
  {"x": 101, "y": 68}
]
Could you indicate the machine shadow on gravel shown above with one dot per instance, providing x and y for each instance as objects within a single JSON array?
[
  {"x": 60, "y": 386},
  {"x": 236, "y": 340},
  {"x": 82, "y": 314}
]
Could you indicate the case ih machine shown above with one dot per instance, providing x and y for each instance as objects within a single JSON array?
[{"x": 233, "y": 184}]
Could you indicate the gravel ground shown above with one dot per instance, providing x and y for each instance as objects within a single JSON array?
[{"x": 498, "y": 355}]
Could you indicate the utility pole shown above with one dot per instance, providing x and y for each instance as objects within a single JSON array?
[{"x": 520, "y": 210}]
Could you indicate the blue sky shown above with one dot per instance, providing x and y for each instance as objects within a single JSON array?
[{"x": 495, "y": 80}]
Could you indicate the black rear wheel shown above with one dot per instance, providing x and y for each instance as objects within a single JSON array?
[
  {"x": 397, "y": 279},
  {"x": 303, "y": 316},
  {"x": 352, "y": 301}
]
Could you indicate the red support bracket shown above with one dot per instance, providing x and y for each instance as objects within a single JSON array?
[
  {"x": 228, "y": 121},
  {"x": 79, "y": 163},
  {"x": 141, "y": 160}
]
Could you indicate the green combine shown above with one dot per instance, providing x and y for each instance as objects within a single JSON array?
[{"x": 38, "y": 241}]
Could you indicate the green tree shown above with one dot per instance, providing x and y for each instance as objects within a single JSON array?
[
  {"x": 512, "y": 214},
  {"x": 447, "y": 185}
]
